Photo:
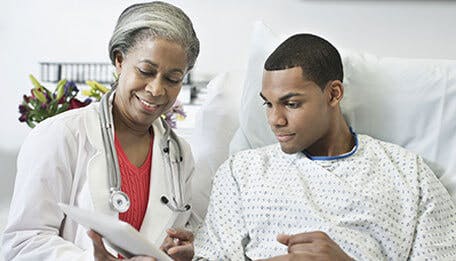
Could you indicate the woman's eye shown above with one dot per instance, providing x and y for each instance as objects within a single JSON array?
[
  {"x": 172, "y": 80},
  {"x": 145, "y": 72}
]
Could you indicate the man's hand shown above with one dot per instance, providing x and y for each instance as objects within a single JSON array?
[
  {"x": 179, "y": 244},
  {"x": 101, "y": 254},
  {"x": 310, "y": 246}
]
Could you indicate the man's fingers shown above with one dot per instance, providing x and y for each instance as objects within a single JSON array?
[
  {"x": 283, "y": 239},
  {"x": 303, "y": 248},
  {"x": 307, "y": 237},
  {"x": 181, "y": 234},
  {"x": 277, "y": 258},
  {"x": 292, "y": 257}
]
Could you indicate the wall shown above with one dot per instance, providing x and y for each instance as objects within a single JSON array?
[
  {"x": 78, "y": 31},
  {"x": 53, "y": 30}
]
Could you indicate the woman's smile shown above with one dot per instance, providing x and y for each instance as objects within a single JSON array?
[{"x": 147, "y": 105}]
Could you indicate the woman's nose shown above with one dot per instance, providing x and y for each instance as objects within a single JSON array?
[{"x": 156, "y": 87}]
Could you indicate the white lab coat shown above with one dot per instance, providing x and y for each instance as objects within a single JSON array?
[{"x": 63, "y": 160}]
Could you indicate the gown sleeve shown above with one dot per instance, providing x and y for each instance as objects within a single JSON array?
[
  {"x": 223, "y": 235},
  {"x": 435, "y": 233}
]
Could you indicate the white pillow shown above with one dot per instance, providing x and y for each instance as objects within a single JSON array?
[
  {"x": 215, "y": 124},
  {"x": 409, "y": 102},
  {"x": 252, "y": 113},
  {"x": 405, "y": 101}
]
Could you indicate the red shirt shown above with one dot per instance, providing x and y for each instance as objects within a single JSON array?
[{"x": 135, "y": 183}]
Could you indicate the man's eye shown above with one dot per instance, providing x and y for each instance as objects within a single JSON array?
[
  {"x": 267, "y": 104},
  {"x": 292, "y": 105}
]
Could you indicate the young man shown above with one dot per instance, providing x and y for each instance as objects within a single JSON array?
[{"x": 322, "y": 192}]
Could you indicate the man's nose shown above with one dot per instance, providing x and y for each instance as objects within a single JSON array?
[{"x": 276, "y": 117}]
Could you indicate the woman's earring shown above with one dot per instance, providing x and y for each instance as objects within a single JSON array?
[{"x": 116, "y": 76}]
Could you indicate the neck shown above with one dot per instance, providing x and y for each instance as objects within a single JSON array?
[
  {"x": 126, "y": 128},
  {"x": 337, "y": 141}
]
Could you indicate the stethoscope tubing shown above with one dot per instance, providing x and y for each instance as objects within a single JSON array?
[{"x": 107, "y": 130}]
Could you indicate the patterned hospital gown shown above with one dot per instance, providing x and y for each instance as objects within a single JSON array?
[{"x": 381, "y": 203}]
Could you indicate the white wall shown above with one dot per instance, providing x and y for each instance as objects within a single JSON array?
[{"x": 55, "y": 30}]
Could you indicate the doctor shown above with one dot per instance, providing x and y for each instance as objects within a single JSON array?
[{"x": 65, "y": 158}]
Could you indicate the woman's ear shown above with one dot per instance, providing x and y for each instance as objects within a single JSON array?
[
  {"x": 336, "y": 92},
  {"x": 118, "y": 62}
]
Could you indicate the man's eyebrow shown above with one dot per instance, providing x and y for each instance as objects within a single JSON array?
[
  {"x": 290, "y": 95},
  {"x": 285, "y": 97}
]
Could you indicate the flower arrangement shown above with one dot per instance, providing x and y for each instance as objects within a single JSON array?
[{"x": 42, "y": 103}]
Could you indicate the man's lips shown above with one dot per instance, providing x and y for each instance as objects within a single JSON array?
[{"x": 282, "y": 137}]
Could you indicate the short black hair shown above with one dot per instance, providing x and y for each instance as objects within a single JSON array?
[{"x": 319, "y": 59}]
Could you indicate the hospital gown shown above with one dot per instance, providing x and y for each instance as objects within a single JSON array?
[{"x": 381, "y": 203}]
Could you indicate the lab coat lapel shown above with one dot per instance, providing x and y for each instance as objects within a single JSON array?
[
  {"x": 97, "y": 173},
  {"x": 158, "y": 216}
]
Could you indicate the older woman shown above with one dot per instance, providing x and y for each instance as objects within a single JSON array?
[{"x": 112, "y": 157}]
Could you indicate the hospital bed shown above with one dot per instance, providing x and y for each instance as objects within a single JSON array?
[{"x": 410, "y": 102}]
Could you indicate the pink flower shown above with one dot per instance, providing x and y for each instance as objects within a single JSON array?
[
  {"x": 75, "y": 103},
  {"x": 23, "y": 118}
]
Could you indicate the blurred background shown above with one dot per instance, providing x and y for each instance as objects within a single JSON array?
[{"x": 78, "y": 32}]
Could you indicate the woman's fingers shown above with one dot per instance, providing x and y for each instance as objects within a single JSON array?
[
  {"x": 181, "y": 234},
  {"x": 180, "y": 253},
  {"x": 99, "y": 250}
]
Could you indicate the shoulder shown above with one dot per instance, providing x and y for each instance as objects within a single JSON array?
[
  {"x": 382, "y": 148},
  {"x": 259, "y": 154},
  {"x": 62, "y": 129},
  {"x": 67, "y": 121},
  {"x": 252, "y": 162}
]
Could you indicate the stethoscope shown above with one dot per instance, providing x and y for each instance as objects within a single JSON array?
[{"x": 118, "y": 200}]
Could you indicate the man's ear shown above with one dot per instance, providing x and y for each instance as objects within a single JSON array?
[
  {"x": 335, "y": 90},
  {"x": 118, "y": 62}
]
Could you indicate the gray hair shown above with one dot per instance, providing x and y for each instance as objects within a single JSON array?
[{"x": 158, "y": 20}]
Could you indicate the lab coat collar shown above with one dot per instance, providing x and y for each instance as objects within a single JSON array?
[{"x": 158, "y": 216}]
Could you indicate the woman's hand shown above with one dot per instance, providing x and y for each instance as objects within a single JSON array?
[
  {"x": 101, "y": 254},
  {"x": 179, "y": 244}
]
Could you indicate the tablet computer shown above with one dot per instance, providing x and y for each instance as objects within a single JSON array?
[{"x": 122, "y": 236}]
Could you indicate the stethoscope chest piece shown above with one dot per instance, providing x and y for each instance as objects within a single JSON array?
[{"x": 119, "y": 201}]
